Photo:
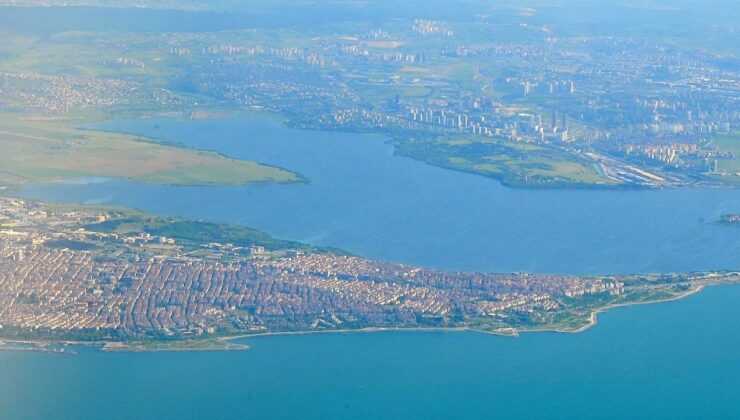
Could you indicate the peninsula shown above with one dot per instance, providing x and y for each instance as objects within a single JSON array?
[
  {"x": 34, "y": 150},
  {"x": 141, "y": 282}
]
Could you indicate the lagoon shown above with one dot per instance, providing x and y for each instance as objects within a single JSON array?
[{"x": 363, "y": 198}]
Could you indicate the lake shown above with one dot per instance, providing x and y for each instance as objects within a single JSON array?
[
  {"x": 366, "y": 200},
  {"x": 675, "y": 360}
]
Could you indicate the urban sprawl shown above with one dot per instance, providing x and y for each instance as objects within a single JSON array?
[{"x": 61, "y": 280}]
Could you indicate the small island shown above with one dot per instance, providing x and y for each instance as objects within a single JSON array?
[{"x": 730, "y": 219}]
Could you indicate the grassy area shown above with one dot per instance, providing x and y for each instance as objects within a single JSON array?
[
  {"x": 380, "y": 92},
  {"x": 728, "y": 167},
  {"x": 515, "y": 164},
  {"x": 189, "y": 233},
  {"x": 49, "y": 150}
]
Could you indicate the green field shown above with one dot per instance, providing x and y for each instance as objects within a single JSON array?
[
  {"x": 728, "y": 167},
  {"x": 192, "y": 232},
  {"x": 514, "y": 163},
  {"x": 44, "y": 150}
]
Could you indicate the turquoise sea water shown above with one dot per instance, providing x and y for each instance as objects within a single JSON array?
[{"x": 675, "y": 360}]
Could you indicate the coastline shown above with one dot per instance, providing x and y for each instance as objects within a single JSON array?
[
  {"x": 568, "y": 316},
  {"x": 227, "y": 342},
  {"x": 503, "y": 332},
  {"x": 593, "y": 316}
]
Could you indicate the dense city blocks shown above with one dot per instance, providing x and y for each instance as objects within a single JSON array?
[{"x": 88, "y": 274}]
